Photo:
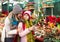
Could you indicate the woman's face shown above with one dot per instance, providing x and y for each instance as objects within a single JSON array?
[
  {"x": 19, "y": 16},
  {"x": 15, "y": 16},
  {"x": 26, "y": 17}
]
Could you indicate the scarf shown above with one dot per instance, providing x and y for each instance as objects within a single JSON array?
[{"x": 30, "y": 37}]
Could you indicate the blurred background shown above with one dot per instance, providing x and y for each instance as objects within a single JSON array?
[{"x": 7, "y": 5}]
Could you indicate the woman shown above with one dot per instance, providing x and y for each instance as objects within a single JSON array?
[
  {"x": 9, "y": 29},
  {"x": 26, "y": 28}
]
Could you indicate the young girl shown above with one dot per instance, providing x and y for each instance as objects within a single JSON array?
[{"x": 26, "y": 28}]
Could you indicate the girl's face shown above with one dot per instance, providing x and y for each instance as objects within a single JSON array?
[{"x": 26, "y": 17}]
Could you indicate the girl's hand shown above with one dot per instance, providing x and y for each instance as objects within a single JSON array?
[{"x": 32, "y": 28}]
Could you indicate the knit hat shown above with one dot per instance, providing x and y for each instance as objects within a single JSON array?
[
  {"x": 28, "y": 12},
  {"x": 16, "y": 9}
]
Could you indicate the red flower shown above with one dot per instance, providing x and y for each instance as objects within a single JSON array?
[
  {"x": 52, "y": 19},
  {"x": 58, "y": 20}
]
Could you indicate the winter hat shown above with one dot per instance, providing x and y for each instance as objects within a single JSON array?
[
  {"x": 27, "y": 12},
  {"x": 16, "y": 9}
]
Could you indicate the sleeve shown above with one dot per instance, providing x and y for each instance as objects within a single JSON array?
[
  {"x": 6, "y": 22},
  {"x": 23, "y": 33},
  {"x": 11, "y": 32}
]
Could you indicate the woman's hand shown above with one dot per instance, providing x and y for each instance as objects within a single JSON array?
[{"x": 13, "y": 27}]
